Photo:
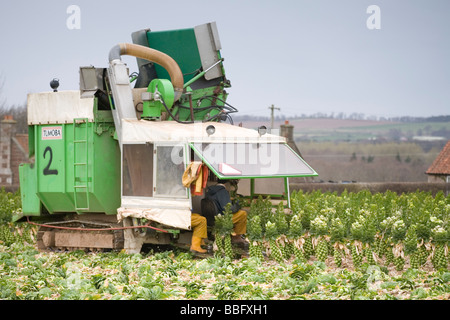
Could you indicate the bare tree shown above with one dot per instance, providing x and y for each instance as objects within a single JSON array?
[{"x": 19, "y": 112}]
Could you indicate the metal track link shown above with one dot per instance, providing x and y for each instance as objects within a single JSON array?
[{"x": 60, "y": 239}]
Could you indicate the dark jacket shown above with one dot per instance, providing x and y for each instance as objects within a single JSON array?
[{"x": 221, "y": 198}]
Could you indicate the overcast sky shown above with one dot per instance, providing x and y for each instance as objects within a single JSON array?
[{"x": 303, "y": 56}]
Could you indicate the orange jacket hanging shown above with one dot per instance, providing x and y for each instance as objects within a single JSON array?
[{"x": 196, "y": 176}]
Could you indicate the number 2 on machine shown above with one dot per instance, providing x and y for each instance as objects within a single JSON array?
[{"x": 47, "y": 170}]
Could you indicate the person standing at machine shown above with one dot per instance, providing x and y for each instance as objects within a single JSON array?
[
  {"x": 195, "y": 176},
  {"x": 221, "y": 197}
]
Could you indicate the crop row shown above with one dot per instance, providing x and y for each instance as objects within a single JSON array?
[
  {"x": 10, "y": 205},
  {"x": 378, "y": 229},
  {"x": 384, "y": 229}
]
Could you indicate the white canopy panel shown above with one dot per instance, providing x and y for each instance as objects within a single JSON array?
[
  {"x": 58, "y": 107},
  {"x": 142, "y": 131},
  {"x": 167, "y": 212}
]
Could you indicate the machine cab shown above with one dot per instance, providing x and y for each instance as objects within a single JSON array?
[{"x": 156, "y": 154}]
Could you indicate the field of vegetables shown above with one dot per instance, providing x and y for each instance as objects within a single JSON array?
[{"x": 351, "y": 246}]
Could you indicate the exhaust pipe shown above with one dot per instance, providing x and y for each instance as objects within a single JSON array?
[{"x": 152, "y": 55}]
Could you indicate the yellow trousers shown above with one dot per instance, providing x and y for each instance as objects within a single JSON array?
[
  {"x": 199, "y": 226},
  {"x": 240, "y": 222}
]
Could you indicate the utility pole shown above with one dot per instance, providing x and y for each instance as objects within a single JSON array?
[{"x": 272, "y": 108}]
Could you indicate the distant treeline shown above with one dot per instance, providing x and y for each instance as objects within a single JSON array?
[
  {"x": 420, "y": 119},
  {"x": 341, "y": 116},
  {"x": 432, "y": 119}
]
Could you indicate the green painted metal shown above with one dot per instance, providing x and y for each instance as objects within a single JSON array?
[
  {"x": 152, "y": 108},
  {"x": 31, "y": 204},
  {"x": 80, "y": 164},
  {"x": 76, "y": 169},
  {"x": 201, "y": 106},
  {"x": 181, "y": 45}
]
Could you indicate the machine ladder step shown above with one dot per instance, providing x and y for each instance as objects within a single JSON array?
[{"x": 80, "y": 164}]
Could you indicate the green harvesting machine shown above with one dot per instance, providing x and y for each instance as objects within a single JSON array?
[{"x": 108, "y": 159}]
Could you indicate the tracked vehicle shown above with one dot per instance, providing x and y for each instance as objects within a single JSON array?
[{"x": 109, "y": 157}]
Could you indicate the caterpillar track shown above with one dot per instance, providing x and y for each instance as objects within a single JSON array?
[
  {"x": 80, "y": 233},
  {"x": 98, "y": 232}
]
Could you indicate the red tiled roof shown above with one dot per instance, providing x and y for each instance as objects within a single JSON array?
[{"x": 441, "y": 165}]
